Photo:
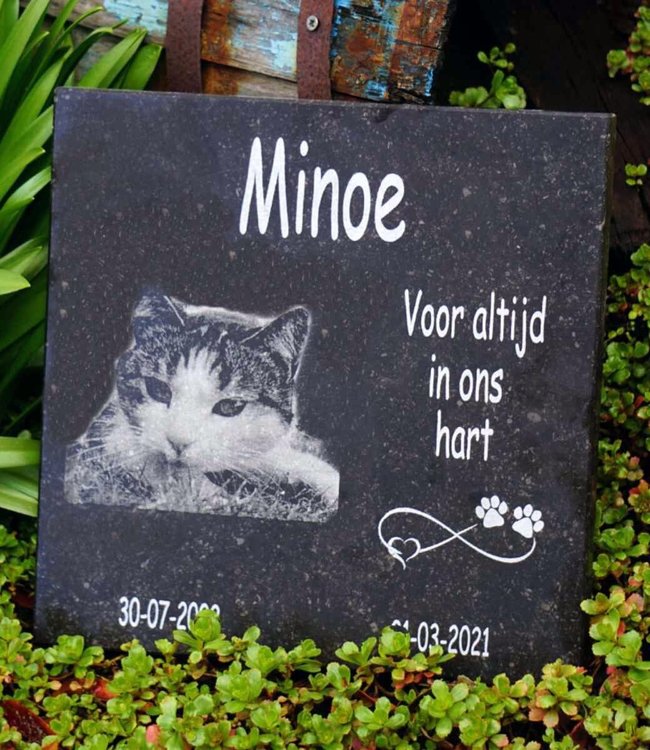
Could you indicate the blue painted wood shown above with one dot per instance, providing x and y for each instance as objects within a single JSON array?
[
  {"x": 152, "y": 14},
  {"x": 371, "y": 42}
]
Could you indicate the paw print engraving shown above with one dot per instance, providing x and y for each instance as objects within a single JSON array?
[
  {"x": 491, "y": 511},
  {"x": 528, "y": 521}
]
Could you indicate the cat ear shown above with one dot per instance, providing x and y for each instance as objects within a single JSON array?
[
  {"x": 286, "y": 336},
  {"x": 154, "y": 313}
]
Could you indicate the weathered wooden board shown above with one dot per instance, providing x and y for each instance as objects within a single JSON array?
[
  {"x": 217, "y": 79},
  {"x": 384, "y": 50}
]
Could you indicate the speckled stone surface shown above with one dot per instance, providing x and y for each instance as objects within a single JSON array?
[{"x": 488, "y": 554}]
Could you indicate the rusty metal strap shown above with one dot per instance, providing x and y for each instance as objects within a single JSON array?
[
  {"x": 183, "y": 45},
  {"x": 313, "y": 55}
]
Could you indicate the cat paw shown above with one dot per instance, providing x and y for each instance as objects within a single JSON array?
[
  {"x": 528, "y": 521},
  {"x": 491, "y": 511}
]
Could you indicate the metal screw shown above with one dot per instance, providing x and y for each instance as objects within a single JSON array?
[{"x": 312, "y": 23}]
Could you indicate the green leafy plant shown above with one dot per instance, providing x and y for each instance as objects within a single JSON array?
[
  {"x": 626, "y": 369},
  {"x": 36, "y": 56},
  {"x": 635, "y": 173},
  {"x": 504, "y": 90},
  {"x": 634, "y": 60}
]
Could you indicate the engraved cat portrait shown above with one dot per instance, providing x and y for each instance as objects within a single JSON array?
[{"x": 203, "y": 417}]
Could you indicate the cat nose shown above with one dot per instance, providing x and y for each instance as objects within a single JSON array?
[{"x": 178, "y": 446}]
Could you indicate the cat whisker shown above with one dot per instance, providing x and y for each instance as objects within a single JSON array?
[
  {"x": 133, "y": 458},
  {"x": 104, "y": 448},
  {"x": 88, "y": 452}
]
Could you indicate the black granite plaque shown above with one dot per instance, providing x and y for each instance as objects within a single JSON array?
[{"x": 325, "y": 367}]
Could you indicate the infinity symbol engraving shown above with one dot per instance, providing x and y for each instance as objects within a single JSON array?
[{"x": 491, "y": 513}]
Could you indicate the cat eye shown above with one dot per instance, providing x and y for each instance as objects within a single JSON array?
[
  {"x": 229, "y": 407},
  {"x": 158, "y": 390}
]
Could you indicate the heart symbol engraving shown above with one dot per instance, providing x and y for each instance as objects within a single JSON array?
[{"x": 404, "y": 549}]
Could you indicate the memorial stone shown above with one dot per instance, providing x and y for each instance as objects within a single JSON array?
[{"x": 323, "y": 368}]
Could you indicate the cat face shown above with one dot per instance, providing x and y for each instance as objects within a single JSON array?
[{"x": 207, "y": 388}]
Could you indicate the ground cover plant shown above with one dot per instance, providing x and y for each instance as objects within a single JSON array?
[
  {"x": 634, "y": 60},
  {"x": 504, "y": 92},
  {"x": 208, "y": 689}
]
